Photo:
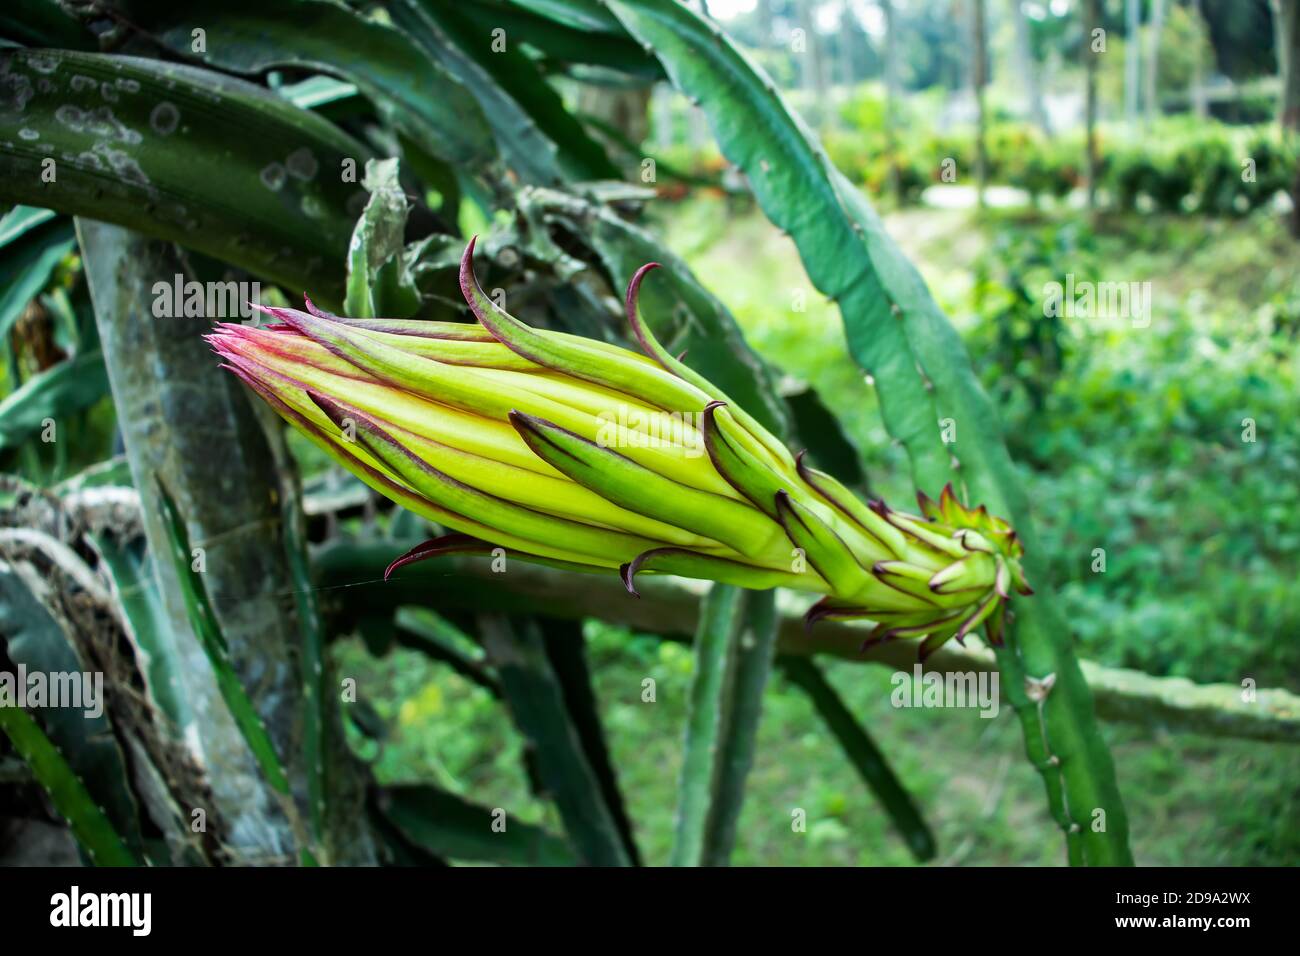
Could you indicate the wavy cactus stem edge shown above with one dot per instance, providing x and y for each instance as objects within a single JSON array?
[{"x": 579, "y": 454}]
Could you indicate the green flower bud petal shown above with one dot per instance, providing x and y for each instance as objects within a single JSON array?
[
  {"x": 636, "y": 488},
  {"x": 821, "y": 545},
  {"x": 504, "y": 517}
]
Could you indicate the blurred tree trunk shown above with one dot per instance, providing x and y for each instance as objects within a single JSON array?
[
  {"x": 1200, "y": 107},
  {"x": 766, "y": 27},
  {"x": 812, "y": 68},
  {"x": 979, "y": 80},
  {"x": 627, "y": 110},
  {"x": 1287, "y": 24},
  {"x": 1132, "y": 60},
  {"x": 189, "y": 423},
  {"x": 1152, "y": 91},
  {"x": 844, "y": 51},
  {"x": 1028, "y": 69},
  {"x": 1091, "y": 22},
  {"x": 892, "y": 92}
]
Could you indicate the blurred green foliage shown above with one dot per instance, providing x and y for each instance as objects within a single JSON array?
[
  {"x": 1178, "y": 164},
  {"x": 1207, "y": 801},
  {"x": 1130, "y": 439}
]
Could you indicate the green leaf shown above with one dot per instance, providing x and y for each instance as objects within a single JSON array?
[
  {"x": 578, "y": 155},
  {"x": 33, "y": 638},
  {"x": 734, "y": 644},
  {"x": 130, "y": 570},
  {"x": 320, "y": 737},
  {"x": 409, "y": 89},
  {"x": 898, "y": 334},
  {"x": 61, "y": 390},
  {"x": 449, "y": 826},
  {"x": 90, "y": 826},
  {"x": 536, "y": 702},
  {"x": 204, "y": 622},
  {"x": 749, "y": 661},
  {"x": 722, "y": 618},
  {"x": 566, "y": 42},
  {"x": 567, "y": 653},
  {"x": 589, "y": 16},
  {"x": 318, "y": 92},
  {"x": 523, "y": 145},
  {"x": 863, "y": 753},
  {"x": 32, "y": 242},
  {"x": 211, "y": 162},
  {"x": 379, "y": 278},
  {"x": 420, "y": 629},
  {"x": 43, "y": 23}
]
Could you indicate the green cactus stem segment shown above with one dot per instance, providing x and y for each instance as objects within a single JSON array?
[{"x": 584, "y": 456}]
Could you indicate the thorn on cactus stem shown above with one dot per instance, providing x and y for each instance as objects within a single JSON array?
[{"x": 1037, "y": 689}]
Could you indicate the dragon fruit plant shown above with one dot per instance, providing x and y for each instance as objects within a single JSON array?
[{"x": 582, "y": 455}]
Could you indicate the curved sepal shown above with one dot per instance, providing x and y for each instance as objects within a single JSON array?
[
  {"x": 749, "y": 476},
  {"x": 622, "y": 481},
  {"x": 467, "y": 544},
  {"x": 692, "y": 564},
  {"x": 823, "y": 548},
  {"x": 655, "y": 350},
  {"x": 834, "y": 494},
  {"x": 436, "y": 547},
  {"x": 572, "y": 356}
]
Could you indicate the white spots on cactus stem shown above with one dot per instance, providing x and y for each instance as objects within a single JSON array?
[
  {"x": 98, "y": 122},
  {"x": 43, "y": 62},
  {"x": 273, "y": 176},
  {"x": 81, "y": 83},
  {"x": 15, "y": 91},
  {"x": 108, "y": 91},
  {"x": 302, "y": 164},
  {"x": 165, "y": 118},
  {"x": 128, "y": 85},
  {"x": 126, "y": 168},
  {"x": 29, "y": 135},
  {"x": 86, "y": 160},
  {"x": 312, "y": 207}
]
